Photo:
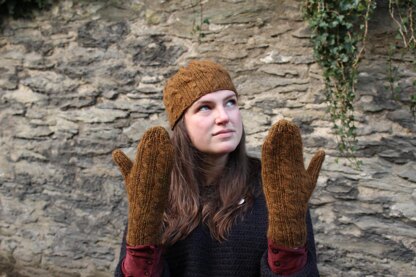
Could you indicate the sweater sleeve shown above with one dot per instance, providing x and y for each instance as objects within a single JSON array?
[
  {"x": 309, "y": 270},
  {"x": 136, "y": 259}
]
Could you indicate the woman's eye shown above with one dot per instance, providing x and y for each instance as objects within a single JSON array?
[
  {"x": 203, "y": 108},
  {"x": 231, "y": 103}
]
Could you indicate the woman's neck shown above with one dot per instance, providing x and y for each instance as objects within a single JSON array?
[{"x": 214, "y": 168}]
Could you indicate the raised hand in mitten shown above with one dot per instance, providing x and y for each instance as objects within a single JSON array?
[
  {"x": 287, "y": 185},
  {"x": 147, "y": 182}
]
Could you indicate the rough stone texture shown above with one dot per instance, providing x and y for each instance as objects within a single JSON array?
[{"x": 86, "y": 77}]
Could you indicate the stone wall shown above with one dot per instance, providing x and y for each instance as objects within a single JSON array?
[{"x": 86, "y": 77}]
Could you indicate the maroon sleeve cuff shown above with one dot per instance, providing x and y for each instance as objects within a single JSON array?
[
  {"x": 143, "y": 260},
  {"x": 286, "y": 261}
]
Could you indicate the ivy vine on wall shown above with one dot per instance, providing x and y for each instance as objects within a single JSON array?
[
  {"x": 338, "y": 28},
  {"x": 200, "y": 22},
  {"x": 339, "y": 31}
]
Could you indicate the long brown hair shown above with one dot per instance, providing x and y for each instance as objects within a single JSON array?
[{"x": 216, "y": 205}]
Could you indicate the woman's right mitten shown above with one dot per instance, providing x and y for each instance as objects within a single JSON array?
[{"x": 147, "y": 182}]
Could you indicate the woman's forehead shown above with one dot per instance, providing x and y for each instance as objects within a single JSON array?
[{"x": 216, "y": 95}]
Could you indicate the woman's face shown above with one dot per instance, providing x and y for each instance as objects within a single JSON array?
[{"x": 214, "y": 123}]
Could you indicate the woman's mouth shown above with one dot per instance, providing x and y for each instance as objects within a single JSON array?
[{"x": 223, "y": 132}]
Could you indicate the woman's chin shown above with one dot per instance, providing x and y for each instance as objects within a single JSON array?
[{"x": 224, "y": 150}]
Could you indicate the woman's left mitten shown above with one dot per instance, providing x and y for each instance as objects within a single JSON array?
[{"x": 287, "y": 185}]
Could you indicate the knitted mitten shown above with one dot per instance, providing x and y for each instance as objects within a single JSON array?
[
  {"x": 147, "y": 182},
  {"x": 287, "y": 185}
]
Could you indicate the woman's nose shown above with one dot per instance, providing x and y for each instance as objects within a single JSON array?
[{"x": 222, "y": 116}]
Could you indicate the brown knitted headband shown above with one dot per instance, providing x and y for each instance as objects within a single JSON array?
[{"x": 192, "y": 82}]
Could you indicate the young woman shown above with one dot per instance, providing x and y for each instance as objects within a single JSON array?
[{"x": 200, "y": 206}]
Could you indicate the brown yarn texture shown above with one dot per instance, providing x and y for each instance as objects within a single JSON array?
[
  {"x": 190, "y": 83},
  {"x": 147, "y": 182},
  {"x": 286, "y": 184}
]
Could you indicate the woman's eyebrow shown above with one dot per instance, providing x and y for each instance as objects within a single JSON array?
[
  {"x": 230, "y": 96},
  {"x": 207, "y": 101},
  {"x": 203, "y": 102}
]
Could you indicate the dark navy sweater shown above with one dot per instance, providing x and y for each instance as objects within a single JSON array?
[{"x": 243, "y": 254}]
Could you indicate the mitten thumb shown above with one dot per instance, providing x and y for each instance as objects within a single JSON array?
[
  {"x": 123, "y": 162},
  {"x": 315, "y": 167}
]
